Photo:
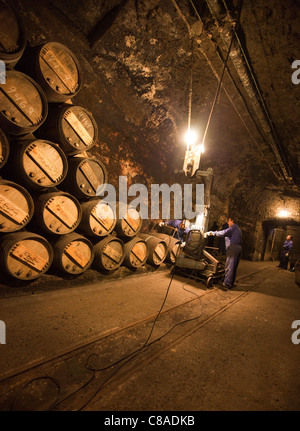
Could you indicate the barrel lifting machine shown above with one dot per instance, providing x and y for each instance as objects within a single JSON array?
[{"x": 196, "y": 259}]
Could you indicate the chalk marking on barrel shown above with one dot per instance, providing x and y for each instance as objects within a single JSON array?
[
  {"x": 61, "y": 68},
  {"x": 56, "y": 210},
  {"x": 12, "y": 211},
  {"x": 19, "y": 108},
  {"x": 75, "y": 255},
  {"x": 114, "y": 255},
  {"x": 78, "y": 128},
  {"x": 22, "y": 254},
  {"x": 90, "y": 176},
  {"x": 35, "y": 155},
  {"x": 101, "y": 221}
]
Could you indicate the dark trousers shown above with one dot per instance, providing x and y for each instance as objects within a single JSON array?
[
  {"x": 284, "y": 260},
  {"x": 233, "y": 255}
]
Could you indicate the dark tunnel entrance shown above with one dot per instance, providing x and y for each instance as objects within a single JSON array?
[{"x": 275, "y": 233}]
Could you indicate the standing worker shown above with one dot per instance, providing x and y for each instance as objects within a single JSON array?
[
  {"x": 233, "y": 244},
  {"x": 285, "y": 252},
  {"x": 221, "y": 244}
]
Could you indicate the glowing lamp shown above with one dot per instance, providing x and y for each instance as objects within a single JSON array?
[
  {"x": 283, "y": 214},
  {"x": 190, "y": 138}
]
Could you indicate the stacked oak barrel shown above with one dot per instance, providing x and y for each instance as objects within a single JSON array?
[{"x": 50, "y": 215}]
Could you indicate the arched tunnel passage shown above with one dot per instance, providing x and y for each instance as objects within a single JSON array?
[{"x": 275, "y": 232}]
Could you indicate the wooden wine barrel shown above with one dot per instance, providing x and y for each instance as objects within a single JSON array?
[
  {"x": 157, "y": 248},
  {"x": 73, "y": 254},
  {"x": 4, "y": 149},
  {"x": 136, "y": 252},
  {"x": 109, "y": 253},
  {"x": 85, "y": 177},
  {"x": 129, "y": 221},
  {"x": 38, "y": 164},
  {"x": 98, "y": 218},
  {"x": 23, "y": 104},
  {"x": 16, "y": 207},
  {"x": 72, "y": 126},
  {"x": 25, "y": 255},
  {"x": 57, "y": 70},
  {"x": 57, "y": 213},
  {"x": 13, "y": 34},
  {"x": 172, "y": 243}
]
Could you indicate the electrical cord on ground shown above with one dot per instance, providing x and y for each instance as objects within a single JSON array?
[
  {"x": 131, "y": 357},
  {"x": 146, "y": 344},
  {"x": 135, "y": 353},
  {"x": 52, "y": 379},
  {"x": 126, "y": 358}
]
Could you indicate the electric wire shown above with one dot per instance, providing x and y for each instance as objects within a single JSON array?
[
  {"x": 224, "y": 308},
  {"x": 191, "y": 86},
  {"x": 237, "y": 111},
  {"x": 191, "y": 331},
  {"x": 278, "y": 148},
  {"x": 219, "y": 86},
  {"x": 126, "y": 358},
  {"x": 146, "y": 343},
  {"x": 182, "y": 16},
  {"x": 52, "y": 379},
  {"x": 196, "y": 12},
  {"x": 145, "y": 346},
  {"x": 134, "y": 354},
  {"x": 237, "y": 21}
]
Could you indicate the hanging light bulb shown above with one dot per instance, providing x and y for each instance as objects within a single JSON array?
[{"x": 190, "y": 138}]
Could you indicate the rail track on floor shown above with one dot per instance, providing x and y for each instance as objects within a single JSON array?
[{"x": 76, "y": 378}]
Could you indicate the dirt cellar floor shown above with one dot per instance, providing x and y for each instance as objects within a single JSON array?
[{"x": 155, "y": 341}]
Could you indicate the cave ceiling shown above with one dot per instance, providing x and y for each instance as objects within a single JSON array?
[{"x": 153, "y": 66}]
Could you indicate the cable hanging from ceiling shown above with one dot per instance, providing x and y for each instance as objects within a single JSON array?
[
  {"x": 235, "y": 23},
  {"x": 219, "y": 85},
  {"x": 250, "y": 84},
  {"x": 190, "y": 96}
]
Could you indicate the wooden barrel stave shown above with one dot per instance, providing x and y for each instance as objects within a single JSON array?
[
  {"x": 38, "y": 164},
  {"x": 129, "y": 223},
  {"x": 25, "y": 255},
  {"x": 109, "y": 253},
  {"x": 85, "y": 177},
  {"x": 13, "y": 36},
  {"x": 73, "y": 254},
  {"x": 172, "y": 245},
  {"x": 135, "y": 253},
  {"x": 23, "y": 104},
  {"x": 57, "y": 213},
  {"x": 98, "y": 218},
  {"x": 157, "y": 249},
  {"x": 4, "y": 149},
  {"x": 72, "y": 126},
  {"x": 16, "y": 207}
]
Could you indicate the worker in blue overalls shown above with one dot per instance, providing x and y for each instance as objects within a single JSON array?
[
  {"x": 182, "y": 229},
  {"x": 285, "y": 252},
  {"x": 233, "y": 244}
]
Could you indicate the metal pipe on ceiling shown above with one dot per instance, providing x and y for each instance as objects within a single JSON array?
[
  {"x": 247, "y": 78},
  {"x": 277, "y": 176}
]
